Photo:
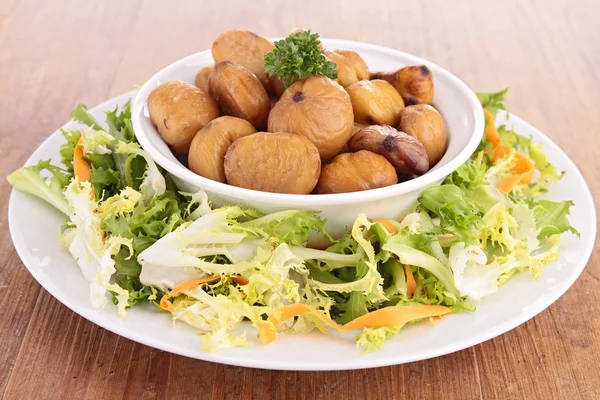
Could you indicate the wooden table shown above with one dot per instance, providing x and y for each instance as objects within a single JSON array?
[{"x": 54, "y": 55}]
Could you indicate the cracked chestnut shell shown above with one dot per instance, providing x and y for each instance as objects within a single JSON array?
[
  {"x": 246, "y": 49},
  {"x": 318, "y": 109},
  {"x": 350, "y": 66},
  {"x": 239, "y": 93},
  {"x": 273, "y": 162},
  {"x": 404, "y": 152},
  {"x": 426, "y": 124},
  {"x": 414, "y": 83},
  {"x": 375, "y": 102},
  {"x": 210, "y": 144},
  {"x": 354, "y": 172},
  {"x": 179, "y": 110}
]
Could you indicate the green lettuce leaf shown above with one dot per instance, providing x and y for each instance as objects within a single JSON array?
[
  {"x": 96, "y": 142},
  {"x": 411, "y": 256},
  {"x": 105, "y": 180},
  {"x": 67, "y": 149},
  {"x": 472, "y": 173},
  {"x": 397, "y": 279},
  {"x": 138, "y": 293},
  {"x": 492, "y": 101},
  {"x": 119, "y": 124},
  {"x": 34, "y": 180},
  {"x": 367, "y": 279},
  {"x": 551, "y": 218},
  {"x": 355, "y": 307},
  {"x": 153, "y": 182},
  {"x": 83, "y": 116},
  {"x": 291, "y": 226},
  {"x": 499, "y": 227},
  {"x": 372, "y": 339},
  {"x": 457, "y": 215}
]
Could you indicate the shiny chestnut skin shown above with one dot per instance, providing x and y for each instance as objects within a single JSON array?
[
  {"x": 210, "y": 144},
  {"x": 414, "y": 83},
  {"x": 317, "y": 108},
  {"x": 426, "y": 124},
  {"x": 239, "y": 93},
  {"x": 350, "y": 66},
  {"x": 246, "y": 49},
  {"x": 273, "y": 162},
  {"x": 404, "y": 152},
  {"x": 375, "y": 102},
  {"x": 179, "y": 110},
  {"x": 354, "y": 172},
  {"x": 201, "y": 80}
]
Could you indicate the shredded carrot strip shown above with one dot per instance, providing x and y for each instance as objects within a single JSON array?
[
  {"x": 411, "y": 283},
  {"x": 165, "y": 304},
  {"x": 80, "y": 166},
  {"x": 523, "y": 168},
  {"x": 395, "y": 316},
  {"x": 388, "y": 316},
  {"x": 387, "y": 224},
  {"x": 491, "y": 134},
  {"x": 506, "y": 184},
  {"x": 240, "y": 280}
]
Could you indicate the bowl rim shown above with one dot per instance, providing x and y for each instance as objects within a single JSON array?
[{"x": 312, "y": 200}]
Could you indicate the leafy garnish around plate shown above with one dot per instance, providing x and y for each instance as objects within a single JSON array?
[{"x": 137, "y": 238}]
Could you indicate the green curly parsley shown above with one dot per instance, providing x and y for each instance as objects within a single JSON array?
[{"x": 298, "y": 56}]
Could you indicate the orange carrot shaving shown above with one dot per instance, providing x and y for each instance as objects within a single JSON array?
[
  {"x": 523, "y": 168},
  {"x": 395, "y": 316},
  {"x": 388, "y": 316},
  {"x": 491, "y": 134},
  {"x": 240, "y": 280},
  {"x": 80, "y": 166},
  {"x": 387, "y": 224},
  {"x": 523, "y": 164},
  {"x": 411, "y": 283},
  {"x": 165, "y": 304}
]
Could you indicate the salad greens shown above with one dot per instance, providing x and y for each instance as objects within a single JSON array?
[{"x": 138, "y": 239}]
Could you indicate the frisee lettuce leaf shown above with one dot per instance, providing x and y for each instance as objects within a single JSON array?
[
  {"x": 354, "y": 307},
  {"x": 67, "y": 149},
  {"x": 290, "y": 226},
  {"x": 551, "y": 218},
  {"x": 83, "y": 116},
  {"x": 492, "y": 101},
  {"x": 450, "y": 204}
]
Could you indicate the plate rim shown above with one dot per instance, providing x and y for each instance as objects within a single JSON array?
[{"x": 587, "y": 244}]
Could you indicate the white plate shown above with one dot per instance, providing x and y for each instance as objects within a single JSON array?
[{"x": 34, "y": 227}]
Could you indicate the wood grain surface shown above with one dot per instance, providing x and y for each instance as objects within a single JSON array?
[{"x": 54, "y": 55}]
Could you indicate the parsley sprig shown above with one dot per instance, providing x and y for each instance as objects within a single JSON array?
[{"x": 298, "y": 56}]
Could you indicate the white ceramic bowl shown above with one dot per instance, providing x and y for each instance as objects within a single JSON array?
[{"x": 457, "y": 103}]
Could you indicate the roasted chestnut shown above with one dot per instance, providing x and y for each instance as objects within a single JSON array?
[{"x": 404, "y": 152}]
